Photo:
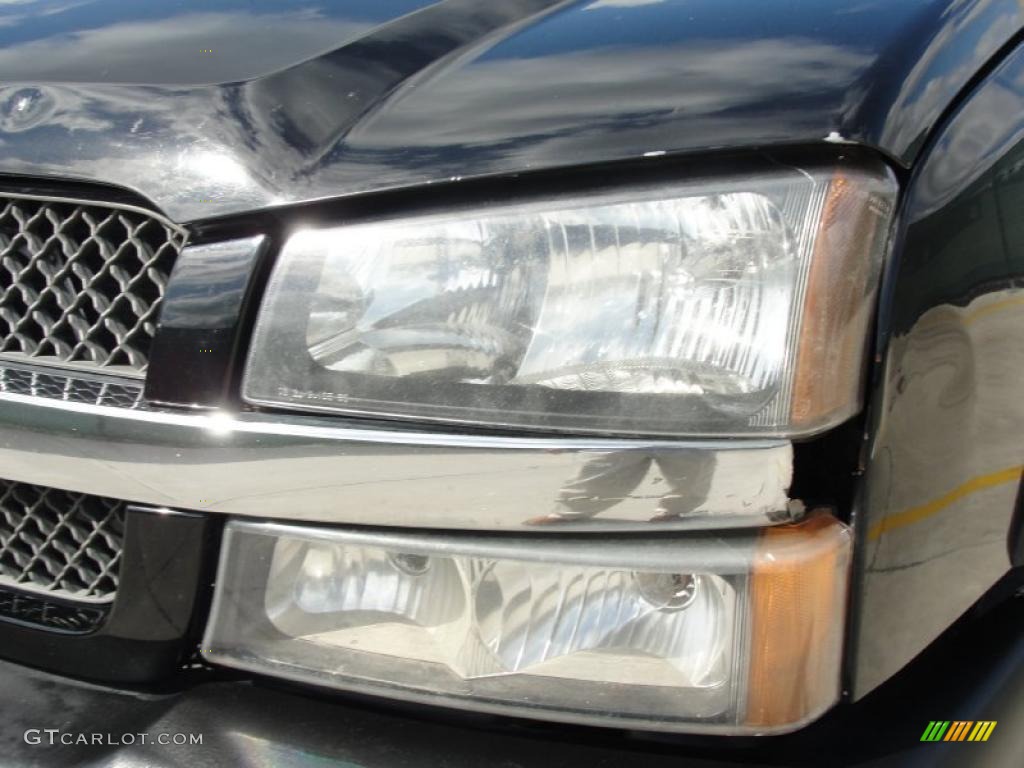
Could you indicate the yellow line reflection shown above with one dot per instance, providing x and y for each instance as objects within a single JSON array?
[{"x": 916, "y": 514}]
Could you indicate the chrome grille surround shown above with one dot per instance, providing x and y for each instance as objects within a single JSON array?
[
  {"x": 81, "y": 282},
  {"x": 60, "y": 543}
]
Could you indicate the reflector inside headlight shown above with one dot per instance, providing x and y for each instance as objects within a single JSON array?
[
  {"x": 735, "y": 633},
  {"x": 720, "y": 307}
]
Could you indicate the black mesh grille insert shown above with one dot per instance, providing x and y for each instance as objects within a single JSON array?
[
  {"x": 82, "y": 283},
  {"x": 60, "y": 543}
]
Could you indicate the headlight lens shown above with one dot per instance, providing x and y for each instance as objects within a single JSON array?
[
  {"x": 724, "y": 307},
  {"x": 737, "y": 633}
]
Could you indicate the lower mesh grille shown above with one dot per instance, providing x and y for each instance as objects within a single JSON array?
[
  {"x": 71, "y": 389},
  {"x": 59, "y": 543},
  {"x": 41, "y": 611}
]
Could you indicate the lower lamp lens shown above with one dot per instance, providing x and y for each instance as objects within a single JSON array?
[{"x": 693, "y": 633}]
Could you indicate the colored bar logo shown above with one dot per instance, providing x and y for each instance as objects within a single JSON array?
[{"x": 958, "y": 730}]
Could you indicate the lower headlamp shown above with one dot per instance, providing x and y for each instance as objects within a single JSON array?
[{"x": 731, "y": 633}]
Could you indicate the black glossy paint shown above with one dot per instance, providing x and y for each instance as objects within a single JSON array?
[
  {"x": 946, "y": 451},
  {"x": 165, "y": 566},
  {"x": 196, "y": 345},
  {"x": 176, "y": 43},
  {"x": 461, "y": 88},
  {"x": 1015, "y": 537}
]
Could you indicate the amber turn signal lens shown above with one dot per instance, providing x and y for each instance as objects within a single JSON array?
[
  {"x": 838, "y": 304},
  {"x": 798, "y": 602}
]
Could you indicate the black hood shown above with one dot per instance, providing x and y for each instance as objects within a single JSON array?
[
  {"x": 184, "y": 42},
  {"x": 215, "y": 108}
]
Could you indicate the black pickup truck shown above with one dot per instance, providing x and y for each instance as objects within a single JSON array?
[{"x": 524, "y": 382}]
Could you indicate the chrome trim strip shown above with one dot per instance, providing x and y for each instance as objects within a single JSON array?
[{"x": 303, "y": 468}]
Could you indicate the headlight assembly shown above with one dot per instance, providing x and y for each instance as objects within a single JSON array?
[
  {"x": 724, "y": 307},
  {"x": 719, "y": 307}
]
